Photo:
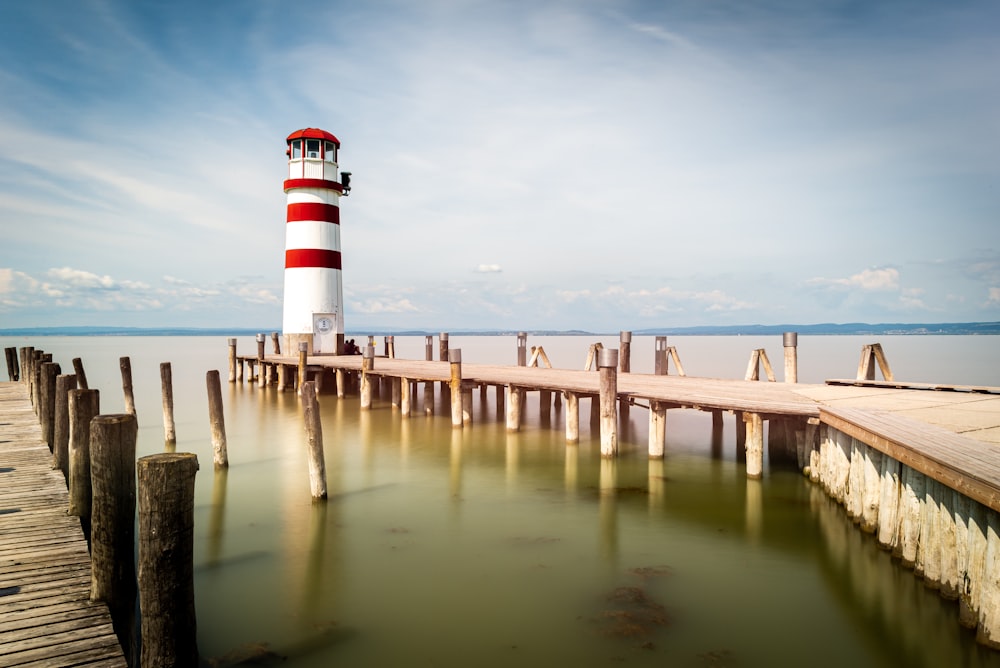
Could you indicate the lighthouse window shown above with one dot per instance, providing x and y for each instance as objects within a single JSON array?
[
  {"x": 296, "y": 149},
  {"x": 312, "y": 148},
  {"x": 330, "y": 154}
]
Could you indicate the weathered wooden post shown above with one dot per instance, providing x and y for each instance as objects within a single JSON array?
[
  {"x": 47, "y": 400},
  {"x": 443, "y": 346},
  {"x": 515, "y": 398},
  {"x": 754, "y": 444},
  {"x": 10, "y": 355},
  {"x": 405, "y": 401},
  {"x": 60, "y": 427},
  {"x": 166, "y": 559},
  {"x": 84, "y": 406},
  {"x": 660, "y": 367},
  {"x": 80, "y": 373},
  {"x": 217, "y": 419},
  {"x": 624, "y": 366},
  {"x": 657, "y": 429},
  {"x": 572, "y": 417},
  {"x": 167, "y": 394},
  {"x": 522, "y": 348},
  {"x": 607, "y": 364},
  {"x": 303, "y": 357},
  {"x": 455, "y": 385},
  {"x": 275, "y": 344},
  {"x": 314, "y": 437},
  {"x": 27, "y": 354},
  {"x": 428, "y": 385},
  {"x": 232, "y": 360},
  {"x": 390, "y": 347},
  {"x": 112, "y": 547},
  {"x": 367, "y": 364},
  {"x": 261, "y": 371},
  {"x": 790, "y": 341},
  {"x": 126, "y": 368}
]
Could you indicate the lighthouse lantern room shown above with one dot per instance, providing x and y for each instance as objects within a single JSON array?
[{"x": 314, "y": 295}]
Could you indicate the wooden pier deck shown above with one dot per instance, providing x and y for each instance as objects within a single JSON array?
[{"x": 46, "y": 616}]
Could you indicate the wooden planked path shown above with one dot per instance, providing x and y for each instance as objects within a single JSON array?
[{"x": 46, "y": 616}]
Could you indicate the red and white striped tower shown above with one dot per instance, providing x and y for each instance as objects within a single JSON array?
[{"x": 314, "y": 295}]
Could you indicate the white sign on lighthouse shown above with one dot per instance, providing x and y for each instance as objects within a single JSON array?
[{"x": 314, "y": 294}]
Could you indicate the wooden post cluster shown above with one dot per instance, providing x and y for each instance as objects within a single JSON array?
[{"x": 950, "y": 541}]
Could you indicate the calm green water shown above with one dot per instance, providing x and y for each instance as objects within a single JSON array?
[{"x": 445, "y": 547}]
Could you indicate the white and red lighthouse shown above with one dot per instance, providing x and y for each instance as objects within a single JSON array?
[{"x": 314, "y": 294}]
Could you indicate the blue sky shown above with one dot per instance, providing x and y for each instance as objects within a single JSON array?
[{"x": 599, "y": 165}]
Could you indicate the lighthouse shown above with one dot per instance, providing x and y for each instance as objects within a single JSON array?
[{"x": 314, "y": 293}]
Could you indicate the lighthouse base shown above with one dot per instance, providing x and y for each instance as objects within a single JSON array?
[{"x": 290, "y": 343}]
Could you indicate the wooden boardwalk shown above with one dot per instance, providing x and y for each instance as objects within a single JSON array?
[{"x": 46, "y": 616}]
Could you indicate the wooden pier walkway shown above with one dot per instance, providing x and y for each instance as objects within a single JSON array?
[{"x": 46, "y": 616}]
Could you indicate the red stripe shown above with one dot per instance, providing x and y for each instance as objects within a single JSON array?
[
  {"x": 312, "y": 257},
  {"x": 313, "y": 183},
  {"x": 327, "y": 213}
]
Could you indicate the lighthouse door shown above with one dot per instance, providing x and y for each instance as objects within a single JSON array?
[{"x": 325, "y": 333}]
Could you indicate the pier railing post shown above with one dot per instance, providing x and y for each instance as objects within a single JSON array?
[
  {"x": 607, "y": 365},
  {"x": 84, "y": 406},
  {"x": 275, "y": 343},
  {"x": 261, "y": 371},
  {"x": 455, "y": 385},
  {"x": 81, "y": 375},
  {"x": 166, "y": 559},
  {"x": 522, "y": 348},
  {"x": 11, "y": 356},
  {"x": 112, "y": 549},
  {"x": 660, "y": 356},
  {"x": 47, "y": 400},
  {"x": 167, "y": 396},
  {"x": 217, "y": 420},
  {"x": 790, "y": 341},
  {"x": 428, "y": 385},
  {"x": 314, "y": 438}
]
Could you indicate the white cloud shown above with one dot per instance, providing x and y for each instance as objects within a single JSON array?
[
  {"x": 993, "y": 297},
  {"x": 489, "y": 269},
  {"x": 869, "y": 280}
]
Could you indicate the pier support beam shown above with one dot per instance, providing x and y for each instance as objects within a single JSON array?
[
  {"x": 657, "y": 429},
  {"x": 515, "y": 399},
  {"x": 455, "y": 385},
  {"x": 367, "y": 364},
  {"x": 607, "y": 367},
  {"x": 572, "y": 417},
  {"x": 754, "y": 444}
]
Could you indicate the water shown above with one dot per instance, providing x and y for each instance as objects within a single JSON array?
[{"x": 446, "y": 547}]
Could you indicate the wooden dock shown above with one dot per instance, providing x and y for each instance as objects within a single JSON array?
[{"x": 46, "y": 616}]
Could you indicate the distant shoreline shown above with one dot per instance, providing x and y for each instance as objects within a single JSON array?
[{"x": 825, "y": 329}]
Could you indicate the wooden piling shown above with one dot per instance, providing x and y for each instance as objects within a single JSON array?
[
  {"x": 790, "y": 342},
  {"x": 232, "y": 360},
  {"x": 261, "y": 367},
  {"x": 405, "y": 399},
  {"x": 988, "y": 631},
  {"x": 80, "y": 373},
  {"x": 112, "y": 548},
  {"x": 126, "y": 368},
  {"x": 60, "y": 428},
  {"x": 572, "y": 417},
  {"x": 275, "y": 343},
  {"x": 166, "y": 559},
  {"x": 522, "y": 348},
  {"x": 10, "y": 354},
  {"x": 969, "y": 600},
  {"x": 314, "y": 438},
  {"x": 455, "y": 386},
  {"x": 84, "y": 406},
  {"x": 660, "y": 356},
  {"x": 47, "y": 400},
  {"x": 367, "y": 364},
  {"x": 167, "y": 395},
  {"x": 515, "y": 397},
  {"x": 888, "y": 505},
  {"x": 303, "y": 369},
  {"x": 607, "y": 365},
  {"x": 754, "y": 445},
  {"x": 443, "y": 346},
  {"x": 657, "y": 429},
  {"x": 217, "y": 419},
  {"x": 910, "y": 503}
]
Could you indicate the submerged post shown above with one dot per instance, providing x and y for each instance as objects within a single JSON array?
[
  {"x": 607, "y": 364},
  {"x": 166, "y": 559},
  {"x": 314, "y": 438},
  {"x": 167, "y": 392},
  {"x": 790, "y": 340},
  {"x": 217, "y": 420},
  {"x": 126, "y": 367},
  {"x": 112, "y": 548}
]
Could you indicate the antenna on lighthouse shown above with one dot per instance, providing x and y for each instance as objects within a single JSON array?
[{"x": 314, "y": 295}]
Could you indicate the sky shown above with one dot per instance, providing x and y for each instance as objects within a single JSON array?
[{"x": 545, "y": 164}]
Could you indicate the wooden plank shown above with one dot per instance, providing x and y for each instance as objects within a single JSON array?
[{"x": 938, "y": 387}]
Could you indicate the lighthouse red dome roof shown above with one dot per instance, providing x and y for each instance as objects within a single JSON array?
[{"x": 313, "y": 133}]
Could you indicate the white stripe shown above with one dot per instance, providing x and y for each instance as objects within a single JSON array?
[{"x": 312, "y": 234}]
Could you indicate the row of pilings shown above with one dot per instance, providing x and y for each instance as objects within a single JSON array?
[{"x": 107, "y": 486}]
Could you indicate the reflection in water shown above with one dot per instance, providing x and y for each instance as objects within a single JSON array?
[
  {"x": 608, "y": 512},
  {"x": 754, "y": 510},
  {"x": 216, "y": 517}
]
